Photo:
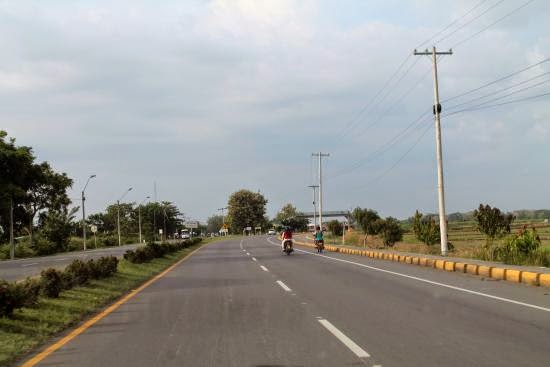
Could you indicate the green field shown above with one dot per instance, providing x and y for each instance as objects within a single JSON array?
[{"x": 463, "y": 235}]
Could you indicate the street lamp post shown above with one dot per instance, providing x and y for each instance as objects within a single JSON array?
[
  {"x": 139, "y": 216},
  {"x": 118, "y": 214},
  {"x": 84, "y": 211}
]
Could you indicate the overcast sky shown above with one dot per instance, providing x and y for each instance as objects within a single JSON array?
[{"x": 208, "y": 97}]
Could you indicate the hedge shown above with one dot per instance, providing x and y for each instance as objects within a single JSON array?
[
  {"x": 51, "y": 282},
  {"x": 153, "y": 250}
]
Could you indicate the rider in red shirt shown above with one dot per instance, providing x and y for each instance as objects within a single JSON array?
[{"x": 286, "y": 235}]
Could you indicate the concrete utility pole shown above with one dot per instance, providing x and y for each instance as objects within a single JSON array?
[
  {"x": 139, "y": 216},
  {"x": 12, "y": 242},
  {"x": 84, "y": 212},
  {"x": 118, "y": 215},
  {"x": 314, "y": 187},
  {"x": 437, "y": 114},
  {"x": 320, "y": 155}
]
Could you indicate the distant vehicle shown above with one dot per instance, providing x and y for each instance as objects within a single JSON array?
[
  {"x": 185, "y": 234},
  {"x": 271, "y": 232}
]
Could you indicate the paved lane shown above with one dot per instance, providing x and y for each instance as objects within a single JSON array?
[
  {"x": 19, "y": 269},
  {"x": 243, "y": 303},
  {"x": 217, "y": 309}
]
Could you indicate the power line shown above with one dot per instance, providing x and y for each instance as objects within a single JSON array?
[
  {"x": 470, "y": 21},
  {"x": 386, "y": 94},
  {"x": 497, "y": 80},
  {"x": 498, "y": 91},
  {"x": 475, "y": 108},
  {"x": 368, "y": 105},
  {"x": 452, "y": 23},
  {"x": 396, "y": 163},
  {"x": 382, "y": 148},
  {"x": 512, "y": 93},
  {"x": 495, "y": 22}
]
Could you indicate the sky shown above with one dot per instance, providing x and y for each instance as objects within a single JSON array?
[{"x": 203, "y": 98}]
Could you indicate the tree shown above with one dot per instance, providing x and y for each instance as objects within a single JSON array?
[
  {"x": 493, "y": 223},
  {"x": 335, "y": 227},
  {"x": 246, "y": 209},
  {"x": 390, "y": 231},
  {"x": 47, "y": 190},
  {"x": 426, "y": 229},
  {"x": 289, "y": 216},
  {"x": 214, "y": 223},
  {"x": 366, "y": 220},
  {"x": 56, "y": 228},
  {"x": 15, "y": 167}
]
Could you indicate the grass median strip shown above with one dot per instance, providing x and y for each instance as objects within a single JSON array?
[{"x": 29, "y": 327}]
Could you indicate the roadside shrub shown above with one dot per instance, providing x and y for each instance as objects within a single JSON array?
[
  {"x": 17, "y": 295},
  {"x": 52, "y": 282},
  {"x": 426, "y": 229},
  {"x": 77, "y": 272},
  {"x": 44, "y": 247},
  {"x": 76, "y": 244},
  {"x": 102, "y": 267},
  {"x": 520, "y": 248},
  {"x": 391, "y": 231},
  {"x": 109, "y": 241},
  {"x": 335, "y": 227}
]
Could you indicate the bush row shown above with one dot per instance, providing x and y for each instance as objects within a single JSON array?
[
  {"x": 52, "y": 282},
  {"x": 152, "y": 250}
]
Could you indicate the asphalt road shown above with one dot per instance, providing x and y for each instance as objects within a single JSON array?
[
  {"x": 19, "y": 269},
  {"x": 243, "y": 303}
]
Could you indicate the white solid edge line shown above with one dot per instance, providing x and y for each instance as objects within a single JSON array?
[
  {"x": 263, "y": 268},
  {"x": 284, "y": 286},
  {"x": 429, "y": 281},
  {"x": 357, "y": 350},
  {"x": 24, "y": 265}
]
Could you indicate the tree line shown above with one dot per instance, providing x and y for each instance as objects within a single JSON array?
[{"x": 35, "y": 208}]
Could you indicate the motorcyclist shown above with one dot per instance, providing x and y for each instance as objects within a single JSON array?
[
  {"x": 319, "y": 239},
  {"x": 286, "y": 235}
]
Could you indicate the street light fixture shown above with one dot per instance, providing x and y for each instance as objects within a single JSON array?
[
  {"x": 139, "y": 216},
  {"x": 84, "y": 211},
  {"x": 118, "y": 214}
]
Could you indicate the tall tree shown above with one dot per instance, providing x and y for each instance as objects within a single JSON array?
[
  {"x": 246, "y": 209},
  {"x": 15, "y": 166},
  {"x": 214, "y": 224},
  {"x": 47, "y": 190},
  {"x": 492, "y": 222},
  {"x": 288, "y": 216}
]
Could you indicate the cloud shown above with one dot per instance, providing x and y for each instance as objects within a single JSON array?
[{"x": 206, "y": 97}]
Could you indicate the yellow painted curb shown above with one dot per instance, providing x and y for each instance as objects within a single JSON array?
[
  {"x": 511, "y": 275},
  {"x": 498, "y": 273},
  {"x": 529, "y": 277},
  {"x": 460, "y": 267},
  {"x": 544, "y": 280},
  {"x": 472, "y": 269},
  {"x": 484, "y": 271},
  {"x": 440, "y": 264},
  {"x": 449, "y": 265}
]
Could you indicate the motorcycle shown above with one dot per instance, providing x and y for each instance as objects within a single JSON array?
[
  {"x": 288, "y": 246},
  {"x": 320, "y": 245}
]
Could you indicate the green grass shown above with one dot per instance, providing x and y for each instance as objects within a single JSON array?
[{"x": 31, "y": 327}]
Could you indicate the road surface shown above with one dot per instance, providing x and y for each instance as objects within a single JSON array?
[
  {"x": 19, "y": 269},
  {"x": 243, "y": 303}
]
